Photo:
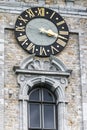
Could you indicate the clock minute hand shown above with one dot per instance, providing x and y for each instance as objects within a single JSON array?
[
  {"x": 48, "y": 32},
  {"x": 51, "y": 33},
  {"x": 61, "y": 37},
  {"x": 42, "y": 30}
]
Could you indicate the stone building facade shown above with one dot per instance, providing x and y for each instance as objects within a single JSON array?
[{"x": 69, "y": 80}]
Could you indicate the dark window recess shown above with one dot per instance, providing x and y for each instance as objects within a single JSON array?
[{"x": 41, "y": 110}]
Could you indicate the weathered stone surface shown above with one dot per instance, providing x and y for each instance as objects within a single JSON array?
[{"x": 74, "y": 56}]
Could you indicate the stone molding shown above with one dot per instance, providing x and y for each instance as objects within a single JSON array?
[
  {"x": 18, "y": 7},
  {"x": 2, "y": 102}
]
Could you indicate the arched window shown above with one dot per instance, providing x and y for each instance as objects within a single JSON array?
[{"x": 41, "y": 110}]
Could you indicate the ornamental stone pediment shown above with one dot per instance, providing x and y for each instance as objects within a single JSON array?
[
  {"x": 49, "y": 67},
  {"x": 33, "y": 71}
]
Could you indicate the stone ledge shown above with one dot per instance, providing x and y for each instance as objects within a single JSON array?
[
  {"x": 17, "y": 70},
  {"x": 18, "y": 7}
]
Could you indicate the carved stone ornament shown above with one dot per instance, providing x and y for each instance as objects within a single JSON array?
[{"x": 34, "y": 71}]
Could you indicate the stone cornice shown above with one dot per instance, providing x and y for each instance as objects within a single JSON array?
[
  {"x": 52, "y": 67},
  {"x": 18, "y": 7},
  {"x": 39, "y": 72}
]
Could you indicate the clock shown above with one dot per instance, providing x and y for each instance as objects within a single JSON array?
[{"x": 41, "y": 31}]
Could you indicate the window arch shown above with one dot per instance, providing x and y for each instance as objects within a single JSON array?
[{"x": 41, "y": 109}]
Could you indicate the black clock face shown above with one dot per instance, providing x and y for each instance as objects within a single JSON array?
[{"x": 41, "y": 31}]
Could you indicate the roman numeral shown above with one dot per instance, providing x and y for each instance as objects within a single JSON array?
[
  {"x": 41, "y": 12},
  {"x": 31, "y": 46},
  {"x": 53, "y": 49},
  {"x": 60, "y": 23},
  {"x": 61, "y": 42},
  {"x": 22, "y": 38},
  {"x": 30, "y": 13},
  {"x": 64, "y": 32},
  {"x": 22, "y": 19},
  {"x": 24, "y": 42},
  {"x": 21, "y": 29},
  {"x": 42, "y": 51},
  {"x": 52, "y": 15}
]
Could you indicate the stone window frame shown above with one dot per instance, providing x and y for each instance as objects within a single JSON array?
[{"x": 57, "y": 80}]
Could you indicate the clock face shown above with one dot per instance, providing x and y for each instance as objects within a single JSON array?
[{"x": 41, "y": 31}]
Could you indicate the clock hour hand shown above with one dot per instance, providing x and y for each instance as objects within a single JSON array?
[
  {"x": 51, "y": 33},
  {"x": 48, "y": 32}
]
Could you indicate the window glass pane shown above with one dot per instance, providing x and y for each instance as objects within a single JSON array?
[
  {"x": 47, "y": 95},
  {"x": 34, "y": 115},
  {"x": 34, "y": 96},
  {"x": 49, "y": 116}
]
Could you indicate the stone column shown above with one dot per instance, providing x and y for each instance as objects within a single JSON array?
[
  {"x": 61, "y": 116},
  {"x": 83, "y": 71},
  {"x": 25, "y": 123},
  {"x": 1, "y": 75},
  {"x": 21, "y": 116},
  {"x": 23, "y": 112}
]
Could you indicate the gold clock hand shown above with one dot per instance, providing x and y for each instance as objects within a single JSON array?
[
  {"x": 48, "y": 32},
  {"x": 62, "y": 37},
  {"x": 51, "y": 33},
  {"x": 42, "y": 30}
]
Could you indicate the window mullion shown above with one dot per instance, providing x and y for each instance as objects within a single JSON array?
[{"x": 42, "y": 108}]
